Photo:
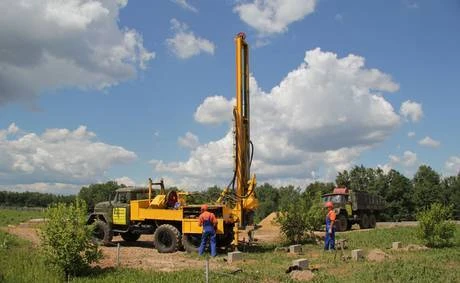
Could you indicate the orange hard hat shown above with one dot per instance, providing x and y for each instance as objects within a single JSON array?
[
  {"x": 204, "y": 207},
  {"x": 329, "y": 204}
]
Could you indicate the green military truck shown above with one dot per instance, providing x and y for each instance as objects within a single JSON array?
[
  {"x": 354, "y": 207},
  {"x": 107, "y": 215}
]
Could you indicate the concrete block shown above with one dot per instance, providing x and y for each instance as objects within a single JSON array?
[
  {"x": 300, "y": 263},
  {"x": 396, "y": 245},
  {"x": 295, "y": 249},
  {"x": 357, "y": 254},
  {"x": 234, "y": 256}
]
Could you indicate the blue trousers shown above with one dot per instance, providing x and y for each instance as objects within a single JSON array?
[
  {"x": 329, "y": 241},
  {"x": 204, "y": 238}
]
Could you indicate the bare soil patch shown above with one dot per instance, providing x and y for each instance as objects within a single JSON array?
[
  {"x": 28, "y": 233},
  {"x": 140, "y": 254},
  {"x": 302, "y": 275},
  {"x": 377, "y": 255}
]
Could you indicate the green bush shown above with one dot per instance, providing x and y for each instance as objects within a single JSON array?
[
  {"x": 66, "y": 240},
  {"x": 304, "y": 214},
  {"x": 316, "y": 214},
  {"x": 434, "y": 228}
]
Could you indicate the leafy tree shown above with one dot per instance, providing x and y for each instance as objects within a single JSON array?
[
  {"x": 268, "y": 197},
  {"x": 343, "y": 179},
  {"x": 427, "y": 187},
  {"x": 32, "y": 199},
  {"x": 66, "y": 240},
  {"x": 299, "y": 213},
  {"x": 399, "y": 196},
  {"x": 434, "y": 228},
  {"x": 450, "y": 193},
  {"x": 319, "y": 187},
  {"x": 315, "y": 212},
  {"x": 292, "y": 221}
]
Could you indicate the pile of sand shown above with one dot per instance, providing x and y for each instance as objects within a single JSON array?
[
  {"x": 268, "y": 230},
  {"x": 269, "y": 222}
]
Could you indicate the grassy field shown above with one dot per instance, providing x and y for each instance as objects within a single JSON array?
[
  {"x": 20, "y": 262},
  {"x": 15, "y": 216}
]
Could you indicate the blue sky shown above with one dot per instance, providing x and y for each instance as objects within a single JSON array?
[{"x": 92, "y": 90}]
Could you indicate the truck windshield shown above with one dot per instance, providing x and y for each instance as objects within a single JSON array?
[
  {"x": 335, "y": 198},
  {"x": 141, "y": 195}
]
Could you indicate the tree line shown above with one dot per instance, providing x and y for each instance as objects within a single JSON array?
[{"x": 404, "y": 197}]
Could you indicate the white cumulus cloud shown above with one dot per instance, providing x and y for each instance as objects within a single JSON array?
[
  {"x": 189, "y": 140},
  {"x": 57, "y": 156},
  {"x": 319, "y": 118},
  {"x": 411, "y": 110},
  {"x": 429, "y": 142},
  {"x": 185, "y": 44},
  {"x": 408, "y": 160},
  {"x": 214, "y": 110},
  {"x": 453, "y": 165},
  {"x": 273, "y": 16},
  {"x": 411, "y": 134},
  {"x": 65, "y": 43},
  {"x": 125, "y": 181},
  {"x": 184, "y": 4}
]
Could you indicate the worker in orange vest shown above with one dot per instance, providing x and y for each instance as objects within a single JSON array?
[
  {"x": 329, "y": 242},
  {"x": 209, "y": 223}
]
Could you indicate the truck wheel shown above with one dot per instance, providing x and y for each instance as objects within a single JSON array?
[
  {"x": 130, "y": 236},
  {"x": 226, "y": 239},
  {"x": 364, "y": 222},
  {"x": 372, "y": 221},
  {"x": 166, "y": 238},
  {"x": 341, "y": 223},
  {"x": 349, "y": 224},
  {"x": 191, "y": 242},
  {"x": 102, "y": 234}
]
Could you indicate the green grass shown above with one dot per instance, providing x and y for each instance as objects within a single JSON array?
[
  {"x": 20, "y": 262},
  {"x": 16, "y": 216}
]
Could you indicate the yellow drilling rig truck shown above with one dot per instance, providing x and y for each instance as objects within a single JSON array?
[{"x": 173, "y": 223}]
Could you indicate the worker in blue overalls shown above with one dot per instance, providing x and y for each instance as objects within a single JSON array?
[
  {"x": 209, "y": 223},
  {"x": 329, "y": 241}
]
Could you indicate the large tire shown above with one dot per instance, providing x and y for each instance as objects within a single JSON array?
[
  {"x": 349, "y": 224},
  {"x": 166, "y": 239},
  {"x": 372, "y": 221},
  {"x": 341, "y": 223},
  {"x": 364, "y": 221},
  {"x": 130, "y": 236},
  {"x": 102, "y": 234},
  {"x": 191, "y": 242},
  {"x": 226, "y": 239}
]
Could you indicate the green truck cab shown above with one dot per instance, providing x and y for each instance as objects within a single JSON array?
[{"x": 112, "y": 217}]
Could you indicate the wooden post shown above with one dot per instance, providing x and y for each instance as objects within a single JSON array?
[
  {"x": 118, "y": 254},
  {"x": 207, "y": 269}
]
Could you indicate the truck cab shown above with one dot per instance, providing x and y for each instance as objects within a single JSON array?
[{"x": 112, "y": 217}]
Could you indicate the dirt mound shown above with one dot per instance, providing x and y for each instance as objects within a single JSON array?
[
  {"x": 269, "y": 221},
  {"x": 377, "y": 255},
  {"x": 268, "y": 230},
  {"x": 302, "y": 275}
]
